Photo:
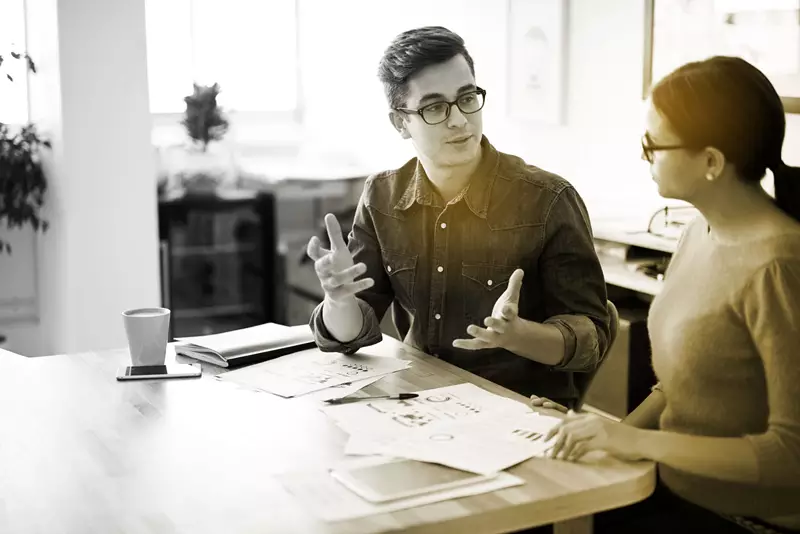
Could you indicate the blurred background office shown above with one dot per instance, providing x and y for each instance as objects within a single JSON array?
[{"x": 145, "y": 205}]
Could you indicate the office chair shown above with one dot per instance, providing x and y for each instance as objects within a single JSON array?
[{"x": 584, "y": 380}]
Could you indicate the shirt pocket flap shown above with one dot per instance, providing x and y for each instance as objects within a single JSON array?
[
  {"x": 395, "y": 262},
  {"x": 490, "y": 277}
]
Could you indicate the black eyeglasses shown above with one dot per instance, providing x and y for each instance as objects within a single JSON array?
[
  {"x": 438, "y": 112},
  {"x": 649, "y": 148}
]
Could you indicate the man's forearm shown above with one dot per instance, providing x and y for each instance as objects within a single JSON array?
[
  {"x": 343, "y": 319},
  {"x": 539, "y": 342}
]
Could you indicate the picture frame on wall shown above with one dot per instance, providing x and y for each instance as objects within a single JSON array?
[
  {"x": 537, "y": 56},
  {"x": 766, "y": 33}
]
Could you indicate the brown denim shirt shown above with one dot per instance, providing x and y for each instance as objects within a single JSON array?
[{"x": 441, "y": 267}]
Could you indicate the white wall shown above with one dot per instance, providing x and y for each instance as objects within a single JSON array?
[
  {"x": 597, "y": 147},
  {"x": 100, "y": 255}
]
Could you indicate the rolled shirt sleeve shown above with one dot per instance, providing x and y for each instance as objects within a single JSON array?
[{"x": 573, "y": 283}]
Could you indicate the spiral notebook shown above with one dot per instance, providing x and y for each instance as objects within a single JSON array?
[{"x": 247, "y": 345}]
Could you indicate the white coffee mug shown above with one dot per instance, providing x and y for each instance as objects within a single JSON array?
[{"x": 148, "y": 331}]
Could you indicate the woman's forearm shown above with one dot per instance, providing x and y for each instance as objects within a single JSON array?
[
  {"x": 648, "y": 413},
  {"x": 728, "y": 459}
]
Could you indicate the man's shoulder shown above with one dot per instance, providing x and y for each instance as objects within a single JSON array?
[
  {"x": 386, "y": 188},
  {"x": 512, "y": 169}
]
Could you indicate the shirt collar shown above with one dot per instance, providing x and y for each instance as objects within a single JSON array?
[{"x": 477, "y": 193}]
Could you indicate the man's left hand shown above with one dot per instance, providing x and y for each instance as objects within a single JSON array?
[{"x": 504, "y": 329}]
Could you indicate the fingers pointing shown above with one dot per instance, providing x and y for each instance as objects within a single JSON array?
[
  {"x": 334, "y": 232},
  {"x": 314, "y": 249},
  {"x": 514, "y": 286}
]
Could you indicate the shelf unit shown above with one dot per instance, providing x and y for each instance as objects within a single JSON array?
[{"x": 219, "y": 262}]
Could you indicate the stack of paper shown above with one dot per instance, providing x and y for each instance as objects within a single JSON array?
[
  {"x": 463, "y": 426},
  {"x": 312, "y": 371}
]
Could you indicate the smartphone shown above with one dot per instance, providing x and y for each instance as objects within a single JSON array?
[
  {"x": 142, "y": 372},
  {"x": 403, "y": 478}
]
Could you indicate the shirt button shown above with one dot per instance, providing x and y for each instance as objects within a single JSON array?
[
  {"x": 440, "y": 269},
  {"x": 437, "y": 316},
  {"x": 444, "y": 225},
  {"x": 389, "y": 268},
  {"x": 489, "y": 282}
]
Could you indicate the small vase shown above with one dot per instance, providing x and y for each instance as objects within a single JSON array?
[{"x": 199, "y": 170}]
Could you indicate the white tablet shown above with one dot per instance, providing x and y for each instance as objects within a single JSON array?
[{"x": 402, "y": 478}]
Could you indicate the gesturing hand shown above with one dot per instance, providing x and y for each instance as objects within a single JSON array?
[
  {"x": 503, "y": 328},
  {"x": 335, "y": 268}
]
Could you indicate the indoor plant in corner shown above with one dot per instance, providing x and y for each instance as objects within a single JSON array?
[
  {"x": 208, "y": 164},
  {"x": 22, "y": 180}
]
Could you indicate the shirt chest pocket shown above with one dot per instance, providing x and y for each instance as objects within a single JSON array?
[
  {"x": 483, "y": 284},
  {"x": 401, "y": 269}
]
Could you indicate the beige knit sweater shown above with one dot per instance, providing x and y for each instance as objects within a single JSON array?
[{"x": 725, "y": 335}]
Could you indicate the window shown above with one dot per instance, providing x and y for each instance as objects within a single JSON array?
[
  {"x": 13, "y": 95},
  {"x": 248, "y": 47}
]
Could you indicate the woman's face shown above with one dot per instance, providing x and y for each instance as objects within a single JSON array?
[{"x": 679, "y": 172}]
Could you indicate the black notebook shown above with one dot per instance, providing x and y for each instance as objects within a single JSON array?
[{"x": 247, "y": 345}]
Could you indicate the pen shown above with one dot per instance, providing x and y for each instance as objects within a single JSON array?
[{"x": 399, "y": 396}]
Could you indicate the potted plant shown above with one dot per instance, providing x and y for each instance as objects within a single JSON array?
[
  {"x": 208, "y": 164},
  {"x": 22, "y": 180}
]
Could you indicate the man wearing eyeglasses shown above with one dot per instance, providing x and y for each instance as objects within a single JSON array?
[{"x": 446, "y": 240}]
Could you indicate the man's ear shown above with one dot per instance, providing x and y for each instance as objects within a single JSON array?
[{"x": 399, "y": 123}]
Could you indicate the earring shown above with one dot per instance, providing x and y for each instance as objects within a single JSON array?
[{"x": 710, "y": 177}]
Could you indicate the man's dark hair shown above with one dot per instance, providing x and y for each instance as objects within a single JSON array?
[{"x": 414, "y": 50}]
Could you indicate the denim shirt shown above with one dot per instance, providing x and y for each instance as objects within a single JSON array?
[{"x": 442, "y": 266}]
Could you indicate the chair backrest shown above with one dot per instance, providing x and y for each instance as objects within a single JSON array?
[{"x": 584, "y": 380}]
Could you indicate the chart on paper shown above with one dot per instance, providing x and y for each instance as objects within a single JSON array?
[
  {"x": 312, "y": 370},
  {"x": 432, "y": 408},
  {"x": 482, "y": 446}
]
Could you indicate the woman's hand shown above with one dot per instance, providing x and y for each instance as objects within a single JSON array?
[{"x": 580, "y": 434}]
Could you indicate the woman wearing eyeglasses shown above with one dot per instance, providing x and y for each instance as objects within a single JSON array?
[{"x": 724, "y": 422}]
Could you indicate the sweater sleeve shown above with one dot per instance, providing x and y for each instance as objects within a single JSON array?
[{"x": 771, "y": 309}]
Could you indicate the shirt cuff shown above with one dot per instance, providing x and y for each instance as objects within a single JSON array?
[
  {"x": 370, "y": 333},
  {"x": 581, "y": 348}
]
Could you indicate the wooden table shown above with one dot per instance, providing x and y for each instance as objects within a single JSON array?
[{"x": 83, "y": 453}]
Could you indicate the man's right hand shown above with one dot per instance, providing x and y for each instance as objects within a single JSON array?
[{"x": 335, "y": 268}]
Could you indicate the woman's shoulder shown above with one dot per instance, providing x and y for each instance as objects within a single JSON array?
[{"x": 779, "y": 246}]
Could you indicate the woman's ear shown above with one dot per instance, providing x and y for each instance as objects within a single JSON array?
[
  {"x": 715, "y": 163},
  {"x": 399, "y": 123}
]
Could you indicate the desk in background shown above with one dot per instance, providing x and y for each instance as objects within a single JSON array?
[
  {"x": 83, "y": 453},
  {"x": 626, "y": 254}
]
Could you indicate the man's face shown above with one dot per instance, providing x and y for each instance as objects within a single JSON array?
[{"x": 451, "y": 143}]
